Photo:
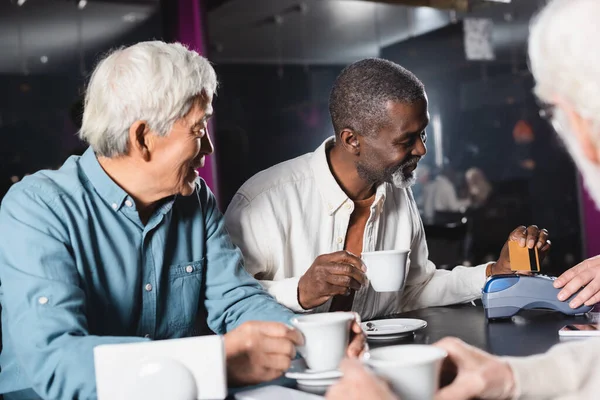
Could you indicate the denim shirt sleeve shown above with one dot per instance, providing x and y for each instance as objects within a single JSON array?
[
  {"x": 232, "y": 295},
  {"x": 44, "y": 300}
]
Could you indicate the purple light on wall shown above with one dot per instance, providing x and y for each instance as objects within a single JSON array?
[
  {"x": 591, "y": 223},
  {"x": 191, "y": 32}
]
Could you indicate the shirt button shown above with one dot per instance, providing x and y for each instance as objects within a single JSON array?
[
  {"x": 189, "y": 269},
  {"x": 128, "y": 203},
  {"x": 348, "y": 206},
  {"x": 43, "y": 300},
  {"x": 114, "y": 206},
  {"x": 340, "y": 239},
  {"x": 148, "y": 287}
]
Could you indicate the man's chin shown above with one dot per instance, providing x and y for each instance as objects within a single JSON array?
[
  {"x": 402, "y": 181},
  {"x": 188, "y": 188}
]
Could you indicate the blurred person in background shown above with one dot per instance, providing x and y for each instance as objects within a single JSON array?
[
  {"x": 126, "y": 244},
  {"x": 478, "y": 187},
  {"x": 486, "y": 220},
  {"x": 490, "y": 214},
  {"x": 440, "y": 196},
  {"x": 564, "y": 63}
]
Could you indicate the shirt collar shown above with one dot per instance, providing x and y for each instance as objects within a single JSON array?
[
  {"x": 104, "y": 185},
  {"x": 332, "y": 194},
  {"x": 110, "y": 192}
]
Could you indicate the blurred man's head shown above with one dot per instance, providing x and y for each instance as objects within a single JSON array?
[
  {"x": 379, "y": 114},
  {"x": 478, "y": 185},
  {"x": 564, "y": 51}
]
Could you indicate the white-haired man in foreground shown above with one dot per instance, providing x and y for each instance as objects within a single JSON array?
[
  {"x": 563, "y": 48},
  {"x": 126, "y": 244}
]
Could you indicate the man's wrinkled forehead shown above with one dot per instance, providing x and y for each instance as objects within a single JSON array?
[{"x": 410, "y": 117}]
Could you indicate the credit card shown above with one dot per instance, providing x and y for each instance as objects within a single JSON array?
[{"x": 523, "y": 258}]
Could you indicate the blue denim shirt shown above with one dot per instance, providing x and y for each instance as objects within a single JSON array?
[{"x": 78, "y": 269}]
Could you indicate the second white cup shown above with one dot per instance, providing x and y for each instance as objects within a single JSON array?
[
  {"x": 413, "y": 370},
  {"x": 386, "y": 270},
  {"x": 325, "y": 338}
]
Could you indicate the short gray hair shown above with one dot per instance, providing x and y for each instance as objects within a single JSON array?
[
  {"x": 360, "y": 93},
  {"x": 565, "y": 56},
  {"x": 154, "y": 81}
]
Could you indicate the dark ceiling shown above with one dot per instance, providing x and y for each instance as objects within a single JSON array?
[
  {"x": 341, "y": 31},
  {"x": 54, "y": 36},
  {"x": 213, "y": 4}
]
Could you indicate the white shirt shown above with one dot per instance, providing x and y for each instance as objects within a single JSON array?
[
  {"x": 440, "y": 195},
  {"x": 286, "y": 216},
  {"x": 568, "y": 371}
]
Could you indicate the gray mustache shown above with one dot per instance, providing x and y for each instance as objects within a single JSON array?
[{"x": 410, "y": 163}]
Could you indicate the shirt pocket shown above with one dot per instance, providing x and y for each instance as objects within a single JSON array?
[{"x": 184, "y": 295}]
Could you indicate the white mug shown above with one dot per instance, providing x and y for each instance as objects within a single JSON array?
[
  {"x": 386, "y": 270},
  {"x": 326, "y": 338},
  {"x": 413, "y": 370}
]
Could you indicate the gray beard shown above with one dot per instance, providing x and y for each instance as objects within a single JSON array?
[
  {"x": 402, "y": 182},
  {"x": 396, "y": 178}
]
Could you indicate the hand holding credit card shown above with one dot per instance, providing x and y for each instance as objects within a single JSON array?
[
  {"x": 519, "y": 241},
  {"x": 523, "y": 259}
]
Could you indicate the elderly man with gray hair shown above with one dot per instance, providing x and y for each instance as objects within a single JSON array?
[
  {"x": 125, "y": 243},
  {"x": 563, "y": 50}
]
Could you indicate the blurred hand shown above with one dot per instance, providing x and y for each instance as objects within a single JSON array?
[
  {"x": 476, "y": 373},
  {"x": 358, "y": 383},
  {"x": 358, "y": 339},
  {"x": 529, "y": 237},
  {"x": 586, "y": 273},
  {"x": 259, "y": 351},
  {"x": 329, "y": 275}
]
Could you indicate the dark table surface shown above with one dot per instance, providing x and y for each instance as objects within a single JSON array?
[{"x": 527, "y": 333}]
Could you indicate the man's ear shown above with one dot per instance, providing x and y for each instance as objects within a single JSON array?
[
  {"x": 350, "y": 142},
  {"x": 583, "y": 129},
  {"x": 141, "y": 140}
]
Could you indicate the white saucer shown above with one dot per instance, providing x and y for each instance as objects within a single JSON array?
[
  {"x": 395, "y": 326},
  {"x": 319, "y": 383},
  {"x": 310, "y": 381},
  {"x": 300, "y": 372},
  {"x": 390, "y": 337},
  {"x": 308, "y": 375}
]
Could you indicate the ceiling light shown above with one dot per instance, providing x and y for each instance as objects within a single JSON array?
[
  {"x": 134, "y": 17},
  {"x": 81, "y": 4},
  {"x": 500, "y": 1},
  {"x": 21, "y": 2},
  {"x": 44, "y": 59}
]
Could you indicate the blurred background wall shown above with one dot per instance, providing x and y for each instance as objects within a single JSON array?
[{"x": 276, "y": 61}]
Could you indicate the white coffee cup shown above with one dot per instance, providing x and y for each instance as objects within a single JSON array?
[
  {"x": 413, "y": 370},
  {"x": 326, "y": 338},
  {"x": 386, "y": 270}
]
